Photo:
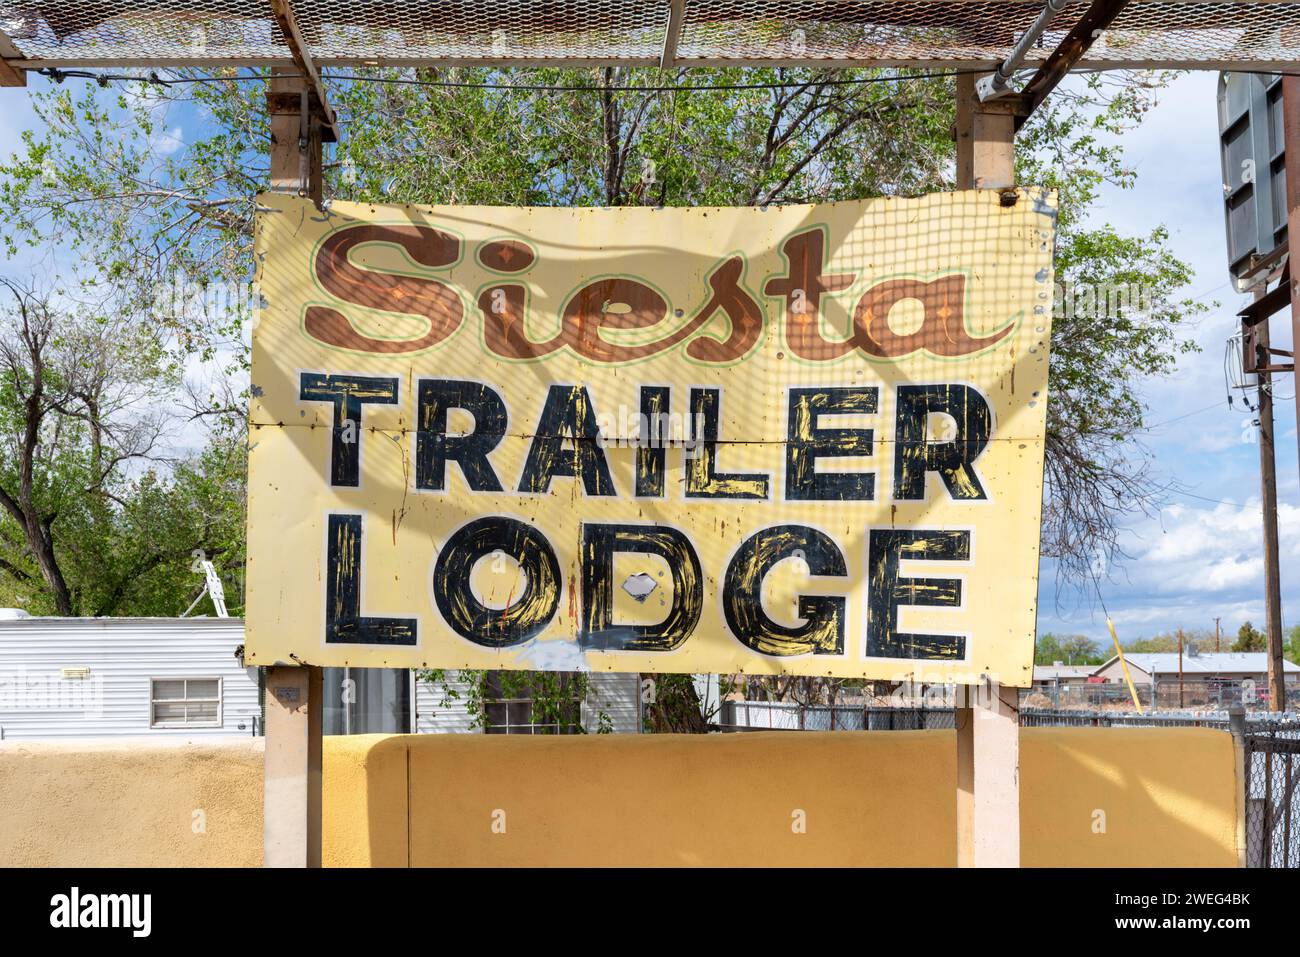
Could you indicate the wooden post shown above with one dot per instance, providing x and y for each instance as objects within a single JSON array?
[
  {"x": 296, "y": 162},
  {"x": 10, "y": 75},
  {"x": 987, "y": 715},
  {"x": 985, "y": 137},
  {"x": 291, "y": 782},
  {"x": 1268, "y": 488}
]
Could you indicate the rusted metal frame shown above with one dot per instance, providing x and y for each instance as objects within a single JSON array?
[
  {"x": 1254, "y": 322},
  {"x": 293, "y": 37},
  {"x": 1268, "y": 741},
  {"x": 1269, "y": 303},
  {"x": 1268, "y": 262},
  {"x": 10, "y": 73},
  {"x": 676, "y": 11},
  {"x": 1100, "y": 15}
]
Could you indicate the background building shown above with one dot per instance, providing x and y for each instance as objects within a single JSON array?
[
  {"x": 1207, "y": 678},
  {"x": 104, "y": 677}
]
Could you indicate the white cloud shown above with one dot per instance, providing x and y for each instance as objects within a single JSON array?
[
  {"x": 1210, "y": 551},
  {"x": 167, "y": 142}
]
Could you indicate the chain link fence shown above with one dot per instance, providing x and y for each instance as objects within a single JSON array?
[
  {"x": 1170, "y": 693},
  {"x": 1272, "y": 759}
]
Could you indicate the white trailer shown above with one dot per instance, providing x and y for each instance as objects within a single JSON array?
[{"x": 105, "y": 677}]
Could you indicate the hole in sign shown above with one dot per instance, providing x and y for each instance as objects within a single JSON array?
[{"x": 640, "y": 585}]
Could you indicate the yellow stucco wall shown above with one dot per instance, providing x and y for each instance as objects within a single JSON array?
[
  {"x": 1165, "y": 796},
  {"x": 131, "y": 803}
]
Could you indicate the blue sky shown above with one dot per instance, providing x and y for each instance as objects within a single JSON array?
[
  {"x": 1196, "y": 559},
  {"x": 1201, "y": 555}
]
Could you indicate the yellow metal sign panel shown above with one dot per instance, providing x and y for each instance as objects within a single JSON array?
[{"x": 805, "y": 440}]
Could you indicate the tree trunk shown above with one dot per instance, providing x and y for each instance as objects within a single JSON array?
[{"x": 41, "y": 543}]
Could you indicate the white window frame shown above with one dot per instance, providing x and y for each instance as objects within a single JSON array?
[
  {"x": 154, "y": 723},
  {"x": 525, "y": 727}
]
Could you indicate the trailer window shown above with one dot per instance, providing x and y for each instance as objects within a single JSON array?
[{"x": 185, "y": 703}]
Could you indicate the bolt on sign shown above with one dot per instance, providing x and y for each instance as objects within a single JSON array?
[{"x": 805, "y": 440}]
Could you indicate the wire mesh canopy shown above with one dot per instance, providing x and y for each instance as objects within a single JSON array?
[{"x": 1196, "y": 34}]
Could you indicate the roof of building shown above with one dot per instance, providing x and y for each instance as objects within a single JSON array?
[
  {"x": 1055, "y": 671},
  {"x": 1206, "y": 662}
]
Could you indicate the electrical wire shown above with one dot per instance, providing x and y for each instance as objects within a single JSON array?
[
  {"x": 1178, "y": 418},
  {"x": 1215, "y": 501},
  {"x": 58, "y": 75}
]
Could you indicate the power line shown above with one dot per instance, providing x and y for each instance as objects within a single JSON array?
[
  {"x": 103, "y": 79},
  {"x": 58, "y": 75},
  {"x": 1178, "y": 418},
  {"x": 1215, "y": 501}
]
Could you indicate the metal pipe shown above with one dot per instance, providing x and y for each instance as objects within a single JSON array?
[{"x": 996, "y": 82}]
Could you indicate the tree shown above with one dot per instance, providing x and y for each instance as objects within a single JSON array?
[
  {"x": 1070, "y": 649},
  {"x": 1114, "y": 325},
  {"x": 1250, "y": 639},
  {"x": 92, "y": 512},
  {"x": 69, "y": 385},
  {"x": 1166, "y": 642}
]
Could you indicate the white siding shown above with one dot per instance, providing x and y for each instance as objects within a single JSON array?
[
  {"x": 433, "y": 716},
  {"x": 619, "y": 696},
  {"x": 123, "y": 654}
]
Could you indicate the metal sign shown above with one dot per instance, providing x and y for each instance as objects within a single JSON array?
[
  {"x": 1254, "y": 173},
  {"x": 802, "y": 440}
]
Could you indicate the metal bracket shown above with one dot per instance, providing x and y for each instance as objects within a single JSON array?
[
  {"x": 998, "y": 82},
  {"x": 991, "y": 86}
]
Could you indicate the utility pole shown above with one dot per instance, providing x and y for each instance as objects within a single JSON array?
[
  {"x": 1180, "y": 668},
  {"x": 1268, "y": 495},
  {"x": 1216, "y": 635}
]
